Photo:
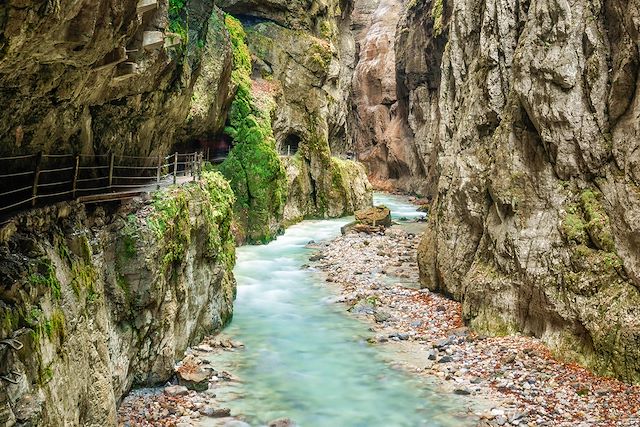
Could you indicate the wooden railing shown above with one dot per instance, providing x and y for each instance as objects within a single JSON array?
[{"x": 33, "y": 180}]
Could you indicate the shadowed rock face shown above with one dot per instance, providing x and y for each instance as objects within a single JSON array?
[
  {"x": 75, "y": 76},
  {"x": 382, "y": 137},
  {"x": 525, "y": 115}
]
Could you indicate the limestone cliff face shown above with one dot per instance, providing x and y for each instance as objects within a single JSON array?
[
  {"x": 96, "y": 76},
  {"x": 103, "y": 300},
  {"x": 302, "y": 57},
  {"x": 525, "y": 114},
  {"x": 382, "y": 137}
]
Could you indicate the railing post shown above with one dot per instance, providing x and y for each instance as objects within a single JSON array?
[
  {"x": 200, "y": 165},
  {"x": 288, "y": 151},
  {"x": 158, "y": 172},
  {"x": 175, "y": 167},
  {"x": 36, "y": 178},
  {"x": 75, "y": 176},
  {"x": 194, "y": 172},
  {"x": 111, "y": 162}
]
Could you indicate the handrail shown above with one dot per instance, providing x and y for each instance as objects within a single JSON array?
[{"x": 70, "y": 174}]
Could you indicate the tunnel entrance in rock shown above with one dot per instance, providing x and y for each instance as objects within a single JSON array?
[
  {"x": 291, "y": 144},
  {"x": 250, "y": 20}
]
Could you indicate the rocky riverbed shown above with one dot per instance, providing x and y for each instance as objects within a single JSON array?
[
  {"x": 190, "y": 397},
  {"x": 377, "y": 276}
]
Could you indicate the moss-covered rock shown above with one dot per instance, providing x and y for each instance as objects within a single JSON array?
[
  {"x": 253, "y": 166},
  {"x": 102, "y": 300}
]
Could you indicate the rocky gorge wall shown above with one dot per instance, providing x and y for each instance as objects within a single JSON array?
[
  {"x": 301, "y": 58},
  {"x": 382, "y": 136},
  {"x": 71, "y": 70},
  {"x": 525, "y": 116},
  {"x": 103, "y": 299}
]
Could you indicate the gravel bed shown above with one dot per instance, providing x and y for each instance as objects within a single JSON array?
[{"x": 377, "y": 278}]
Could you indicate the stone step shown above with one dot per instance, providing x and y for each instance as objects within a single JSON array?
[
  {"x": 172, "y": 39},
  {"x": 125, "y": 71},
  {"x": 146, "y": 6},
  {"x": 112, "y": 58},
  {"x": 152, "y": 40}
]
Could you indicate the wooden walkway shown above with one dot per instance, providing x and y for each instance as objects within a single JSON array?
[{"x": 30, "y": 181}]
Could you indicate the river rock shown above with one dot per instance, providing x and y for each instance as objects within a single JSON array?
[
  {"x": 210, "y": 411},
  {"x": 381, "y": 316},
  {"x": 176, "y": 390},
  {"x": 282, "y": 422},
  {"x": 462, "y": 391},
  {"x": 374, "y": 217},
  {"x": 193, "y": 375},
  {"x": 362, "y": 307}
]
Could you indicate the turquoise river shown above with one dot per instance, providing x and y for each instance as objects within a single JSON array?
[{"x": 305, "y": 358}]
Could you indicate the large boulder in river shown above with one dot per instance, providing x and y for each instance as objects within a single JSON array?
[
  {"x": 192, "y": 375},
  {"x": 375, "y": 216}
]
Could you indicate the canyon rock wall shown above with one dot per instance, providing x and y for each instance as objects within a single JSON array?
[
  {"x": 91, "y": 77},
  {"x": 302, "y": 57},
  {"x": 102, "y": 300},
  {"x": 525, "y": 114},
  {"x": 382, "y": 137}
]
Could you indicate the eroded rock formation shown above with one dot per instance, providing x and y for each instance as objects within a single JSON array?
[
  {"x": 102, "y": 300},
  {"x": 525, "y": 114},
  {"x": 98, "y": 76},
  {"x": 382, "y": 136},
  {"x": 302, "y": 59}
]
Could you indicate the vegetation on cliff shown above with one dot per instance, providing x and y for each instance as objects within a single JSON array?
[
  {"x": 253, "y": 166},
  {"x": 114, "y": 294}
]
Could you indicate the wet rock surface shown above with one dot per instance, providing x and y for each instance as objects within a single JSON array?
[
  {"x": 377, "y": 277},
  {"x": 71, "y": 69},
  {"x": 375, "y": 216},
  {"x": 382, "y": 139}
]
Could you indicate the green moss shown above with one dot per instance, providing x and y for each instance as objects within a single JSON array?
[
  {"x": 597, "y": 224},
  {"x": 320, "y": 56},
  {"x": 325, "y": 30},
  {"x": 123, "y": 284},
  {"x": 83, "y": 278},
  {"x": 45, "y": 276},
  {"x": 171, "y": 224},
  {"x": 218, "y": 215},
  {"x": 573, "y": 227},
  {"x": 178, "y": 19},
  {"x": 130, "y": 237},
  {"x": 58, "y": 323},
  {"x": 241, "y": 55},
  {"x": 253, "y": 167},
  {"x": 491, "y": 322},
  {"x": 587, "y": 221},
  {"x": 63, "y": 251},
  {"x": 10, "y": 320},
  {"x": 45, "y": 375}
]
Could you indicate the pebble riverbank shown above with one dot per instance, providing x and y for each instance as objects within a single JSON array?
[
  {"x": 177, "y": 405},
  {"x": 376, "y": 276}
]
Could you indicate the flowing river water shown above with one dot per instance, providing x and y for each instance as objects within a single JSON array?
[{"x": 305, "y": 358}]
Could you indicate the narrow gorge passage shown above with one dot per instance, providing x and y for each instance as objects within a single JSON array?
[
  {"x": 304, "y": 358},
  {"x": 514, "y": 123}
]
